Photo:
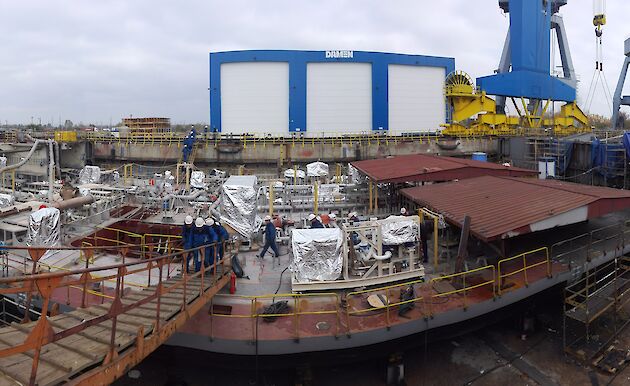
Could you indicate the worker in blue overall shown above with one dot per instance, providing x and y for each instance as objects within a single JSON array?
[
  {"x": 222, "y": 236},
  {"x": 270, "y": 238},
  {"x": 199, "y": 237},
  {"x": 210, "y": 240},
  {"x": 315, "y": 223},
  {"x": 189, "y": 142},
  {"x": 187, "y": 238}
]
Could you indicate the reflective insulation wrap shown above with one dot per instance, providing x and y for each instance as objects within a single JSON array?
[
  {"x": 85, "y": 191},
  {"x": 43, "y": 228},
  {"x": 397, "y": 230},
  {"x": 196, "y": 179},
  {"x": 90, "y": 175},
  {"x": 355, "y": 176},
  {"x": 3, "y": 161},
  {"x": 328, "y": 193},
  {"x": 290, "y": 173},
  {"x": 317, "y": 254},
  {"x": 217, "y": 173},
  {"x": 317, "y": 169},
  {"x": 6, "y": 200},
  {"x": 239, "y": 203}
]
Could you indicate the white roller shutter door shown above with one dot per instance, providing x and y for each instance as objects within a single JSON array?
[
  {"x": 255, "y": 98},
  {"x": 416, "y": 98},
  {"x": 339, "y": 98}
]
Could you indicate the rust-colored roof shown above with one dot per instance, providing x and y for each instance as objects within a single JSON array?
[
  {"x": 424, "y": 167},
  {"x": 503, "y": 207}
]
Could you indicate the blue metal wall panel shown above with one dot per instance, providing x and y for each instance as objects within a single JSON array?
[
  {"x": 297, "y": 78},
  {"x": 530, "y": 42}
]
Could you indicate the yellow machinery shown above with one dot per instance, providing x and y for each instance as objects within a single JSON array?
[
  {"x": 466, "y": 102},
  {"x": 65, "y": 136}
]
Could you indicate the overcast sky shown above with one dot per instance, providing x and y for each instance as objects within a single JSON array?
[{"x": 92, "y": 61}]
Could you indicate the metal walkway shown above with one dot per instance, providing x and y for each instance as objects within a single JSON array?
[{"x": 96, "y": 344}]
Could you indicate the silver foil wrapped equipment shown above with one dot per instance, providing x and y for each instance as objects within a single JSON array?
[
  {"x": 398, "y": 230},
  {"x": 197, "y": 178},
  {"x": 90, "y": 175},
  {"x": 6, "y": 200},
  {"x": 43, "y": 228},
  {"x": 317, "y": 169},
  {"x": 290, "y": 173},
  {"x": 317, "y": 254},
  {"x": 239, "y": 203}
]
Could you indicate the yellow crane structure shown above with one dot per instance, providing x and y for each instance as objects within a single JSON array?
[{"x": 474, "y": 113}]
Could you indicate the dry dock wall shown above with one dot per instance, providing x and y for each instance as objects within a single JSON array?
[{"x": 237, "y": 152}]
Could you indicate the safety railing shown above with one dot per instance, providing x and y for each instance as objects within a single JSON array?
[
  {"x": 352, "y": 297},
  {"x": 166, "y": 315},
  {"x": 258, "y": 303},
  {"x": 460, "y": 281},
  {"x": 511, "y": 271},
  {"x": 133, "y": 244},
  {"x": 599, "y": 242},
  {"x": 604, "y": 238},
  {"x": 162, "y": 243}
]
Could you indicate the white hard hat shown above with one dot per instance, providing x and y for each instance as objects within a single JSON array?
[
  {"x": 403, "y": 210},
  {"x": 311, "y": 217},
  {"x": 332, "y": 216},
  {"x": 209, "y": 221},
  {"x": 199, "y": 222},
  {"x": 352, "y": 214},
  {"x": 267, "y": 218},
  {"x": 188, "y": 220}
]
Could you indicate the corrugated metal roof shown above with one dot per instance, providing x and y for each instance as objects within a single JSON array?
[
  {"x": 502, "y": 207},
  {"x": 423, "y": 167}
]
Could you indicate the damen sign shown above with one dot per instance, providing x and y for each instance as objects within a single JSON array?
[{"x": 343, "y": 54}]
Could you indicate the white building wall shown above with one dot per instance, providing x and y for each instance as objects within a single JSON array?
[
  {"x": 338, "y": 98},
  {"x": 416, "y": 98},
  {"x": 255, "y": 98}
]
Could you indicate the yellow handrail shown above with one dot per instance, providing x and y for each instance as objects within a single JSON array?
[
  {"x": 387, "y": 307},
  {"x": 255, "y": 314},
  {"x": 465, "y": 288},
  {"x": 526, "y": 267}
]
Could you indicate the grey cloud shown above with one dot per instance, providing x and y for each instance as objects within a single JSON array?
[{"x": 89, "y": 61}]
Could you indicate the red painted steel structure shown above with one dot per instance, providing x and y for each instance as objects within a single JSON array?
[
  {"x": 431, "y": 168},
  {"x": 503, "y": 207}
]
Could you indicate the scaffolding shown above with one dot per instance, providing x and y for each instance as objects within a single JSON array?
[
  {"x": 613, "y": 163},
  {"x": 594, "y": 309},
  {"x": 545, "y": 149},
  {"x": 601, "y": 162}
]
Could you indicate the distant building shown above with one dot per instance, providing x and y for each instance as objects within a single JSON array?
[
  {"x": 144, "y": 127},
  {"x": 329, "y": 93}
]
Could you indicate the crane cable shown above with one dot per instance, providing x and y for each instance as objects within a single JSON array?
[{"x": 599, "y": 76}]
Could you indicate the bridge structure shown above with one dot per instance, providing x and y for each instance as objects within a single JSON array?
[{"x": 89, "y": 326}]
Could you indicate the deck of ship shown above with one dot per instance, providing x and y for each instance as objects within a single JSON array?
[{"x": 343, "y": 319}]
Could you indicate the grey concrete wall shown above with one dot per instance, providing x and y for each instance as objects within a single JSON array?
[
  {"x": 73, "y": 155},
  {"x": 280, "y": 154}
]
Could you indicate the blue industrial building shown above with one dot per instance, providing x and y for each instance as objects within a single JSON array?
[{"x": 257, "y": 91}]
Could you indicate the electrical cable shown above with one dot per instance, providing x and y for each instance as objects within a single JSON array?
[{"x": 280, "y": 281}]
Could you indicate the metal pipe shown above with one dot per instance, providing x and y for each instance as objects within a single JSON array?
[
  {"x": 51, "y": 171},
  {"x": 73, "y": 202},
  {"x": 28, "y": 156},
  {"x": 181, "y": 197},
  {"x": 340, "y": 205},
  {"x": 58, "y": 159}
]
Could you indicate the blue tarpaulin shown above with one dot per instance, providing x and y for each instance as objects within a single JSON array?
[
  {"x": 605, "y": 157},
  {"x": 563, "y": 151},
  {"x": 626, "y": 143}
]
